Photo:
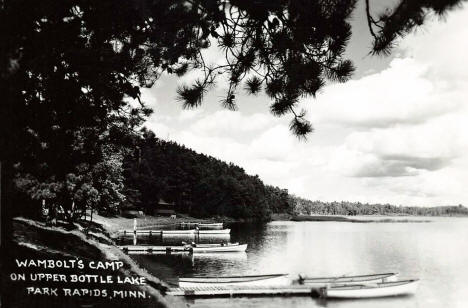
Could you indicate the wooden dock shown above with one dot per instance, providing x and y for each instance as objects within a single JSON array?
[
  {"x": 156, "y": 249},
  {"x": 174, "y": 232},
  {"x": 160, "y": 233},
  {"x": 232, "y": 291}
]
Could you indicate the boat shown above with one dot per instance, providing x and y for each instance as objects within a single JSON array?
[
  {"x": 229, "y": 247},
  {"x": 178, "y": 232},
  {"x": 223, "y": 231},
  {"x": 381, "y": 289},
  {"x": 223, "y": 281},
  {"x": 210, "y": 226},
  {"x": 202, "y": 225},
  {"x": 372, "y": 278}
]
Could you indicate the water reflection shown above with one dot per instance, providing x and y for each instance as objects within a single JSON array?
[{"x": 435, "y": 252}]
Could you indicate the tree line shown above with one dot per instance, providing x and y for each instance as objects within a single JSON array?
[
  {"x": 68, "y": 70},
  {"x": 307, "y": 207},
  {"x": 198, "y": 185}
]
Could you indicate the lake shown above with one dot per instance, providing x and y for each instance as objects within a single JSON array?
[{"x": 435, "y": 252}]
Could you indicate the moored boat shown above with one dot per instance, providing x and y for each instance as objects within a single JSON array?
[
  {"x": 229, "y": 247},
  {"x": 372, "y": 278},
  {"x": 178, "y": 232},
  {"x": 382, "y": 289},
  {"x": 223, "y": 281},
  {"x": 210, "y": 226}
]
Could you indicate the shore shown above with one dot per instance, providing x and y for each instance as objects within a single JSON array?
[
  {"x": 367, "y": 219},
  {"x": 96, "y": 241},
  {"x": 85, "y": 241}
]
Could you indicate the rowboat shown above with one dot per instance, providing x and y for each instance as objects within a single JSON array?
[
  {"x": 373, "y": 278},
  {"x": 201, "y": 225},
  {"x": 380, "y": 289},
  {"x": 230, "y": 247},
  {"x": 252, "y": 280},
  {"x": 210, "y": 226},
  {"x": 223, "y": 231},
  {"x": 178, "y": 232}
]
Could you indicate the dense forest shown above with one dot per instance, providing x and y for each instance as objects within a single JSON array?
[
  {"x": 201, "y": 185},
  {"x": 151, "y": 169},
  {"x": 69, "y": 68},
  {"x": 307, "y": 207},
  {"x": 198, "y": 185}
]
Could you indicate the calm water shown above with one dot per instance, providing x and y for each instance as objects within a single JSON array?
[{"x": 435, "y": 252}]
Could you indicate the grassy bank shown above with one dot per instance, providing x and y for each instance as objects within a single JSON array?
[{"x": 85, "y": 241}]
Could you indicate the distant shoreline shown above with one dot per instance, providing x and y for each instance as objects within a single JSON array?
[{"x": 353, "y": 220}]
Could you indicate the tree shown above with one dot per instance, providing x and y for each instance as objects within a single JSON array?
[
  {"x": 402, "y": 19},
  {"x": 69, "y": 68}
]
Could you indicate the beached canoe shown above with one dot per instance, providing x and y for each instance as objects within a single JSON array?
[
  {"x": 223, "y": 281},
  {"x": 382, "y": 289},
  {"x": 229, "y": 247},
  {"x": 372, "y": 278}
]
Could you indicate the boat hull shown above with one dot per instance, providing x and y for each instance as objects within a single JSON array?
[
  {"x": 373, "y": 278},
  {"x": 371, "y": 291},
  {"x": 258, "y": 280},
  {"x": 213, "y": 226},
  {"x": 223, "y": 231},
  {"x": 178, "y": 232},
  {"x": 219, "y": 248}
]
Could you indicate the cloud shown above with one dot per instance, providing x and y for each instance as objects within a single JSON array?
[
  {"x": 401, "y": 94},
  {"x": 399, "y": 135},
  {"x": 403, "y": 150}
]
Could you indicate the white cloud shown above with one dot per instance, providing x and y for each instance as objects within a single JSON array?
[
  {"x": 401, "y": 94},
  {"x": 398, "y": 136}
]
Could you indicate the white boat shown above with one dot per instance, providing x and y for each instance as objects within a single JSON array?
[
  {"x": 210, "y": 226},
  {"x": 357, "y": 279},
  {"x": 230, "y": 247},
  {"x": 178, "y": 232},
  {"x": 382, "y": 289},
  {"x": 223, "y": 231},
  {"x": 223, "y": 281}
]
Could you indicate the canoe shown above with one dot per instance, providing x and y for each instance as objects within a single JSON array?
[
  {"x": 223, "y": 281},
  {"x": 372, "y": 278},
  {"x": 210, "y": 226},
  {"x": 233, "y": 247},
  {"x": 382, "y": 289}
]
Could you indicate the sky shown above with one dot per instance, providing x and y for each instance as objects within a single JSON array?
[{"x": 396, "y": 133}]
